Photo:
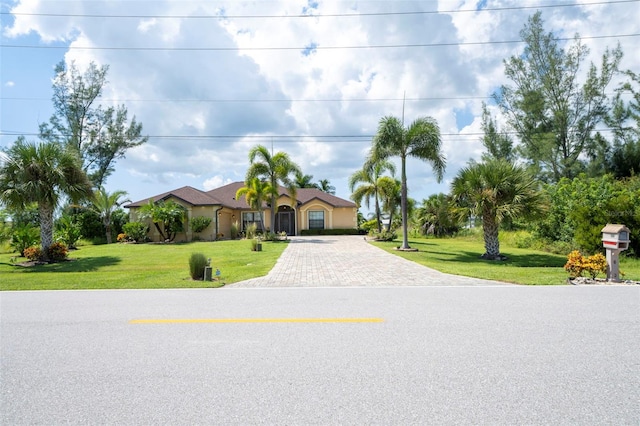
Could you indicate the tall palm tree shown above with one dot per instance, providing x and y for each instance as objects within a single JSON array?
[
  {"x": 275, "y": 169},
  {"x": 41, "y": 173},
  {"x": 369, "y": 177},
  {"x": 496, "y": 190},
  {"x": 420, "y": 140},
  {"x": 255, "y": 192},
  {"x": 105, "y": 203}
]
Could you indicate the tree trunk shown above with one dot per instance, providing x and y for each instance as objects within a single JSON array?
[
  {"x": 378, "y": 219},
  {"x": 46, "y": 228},
  {"x": 108, "y": 232},
  {"x": 403, "y": 205},
  {"x": 491, "y": 242},
  {"x": 262, "y": 221},
  {"x": 272, "y": 215},
  {"x": 164, "y": 238}
]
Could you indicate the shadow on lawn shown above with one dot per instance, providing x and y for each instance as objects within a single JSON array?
[
  {"x": 538, "y": 260},
  {"x": 87, "y": 264}
]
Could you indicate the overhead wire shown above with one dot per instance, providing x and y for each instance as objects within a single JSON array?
[{"x": 314, "y": 15}]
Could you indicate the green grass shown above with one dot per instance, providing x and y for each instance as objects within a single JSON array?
[
  {"x": 140, "y": 266},
  {"x": 461, "y": 256}
]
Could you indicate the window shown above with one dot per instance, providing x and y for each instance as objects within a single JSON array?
[
  {"x": 316, "y": 220},
  {"x": 251, "y": 217}
]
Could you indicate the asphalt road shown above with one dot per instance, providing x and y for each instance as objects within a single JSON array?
[{"x": 420, "y": 355}]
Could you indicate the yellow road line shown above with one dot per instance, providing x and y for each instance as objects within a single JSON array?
[{"x": 253, "y": 320}]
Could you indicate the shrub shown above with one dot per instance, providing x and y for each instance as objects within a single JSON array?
[
  {"x": 369, "y": 225},
  {"x": 33, "y": 253},
  {"x": 200, "y": 223},
  {"x": 577, "y": 264},
  {"x": 197, "y": 263},
  {"x": 383, "y": 236},
  {"x": 234, "y": 230},
  {"x": 250, "y": 230},
  {"x": 135, "y": 231},
  {"x": 57, "y": 252},
  {"x": 68, "y": 231},
  {"x": 24, "y": 236},
  {"x": 269, "y": 236}
]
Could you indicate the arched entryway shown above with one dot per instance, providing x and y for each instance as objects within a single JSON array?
[{"x": 286, "y": 220}]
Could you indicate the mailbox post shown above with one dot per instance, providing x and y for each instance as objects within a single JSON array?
[{"x": 615, "y": 238}]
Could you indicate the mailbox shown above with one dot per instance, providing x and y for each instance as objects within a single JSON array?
[{"x": 615, "y": 237}]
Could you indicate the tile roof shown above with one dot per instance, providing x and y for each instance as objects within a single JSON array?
[
  {"x": 188, "y": 194},
  {"x": 225, "y": 196}
]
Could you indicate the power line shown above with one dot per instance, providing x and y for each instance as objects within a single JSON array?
[
  {"x": 446, "y": 98},
  {"x": 295, "y": 138},
  {"x": 310, "y": 48},
  {"x": 304, "y": 16}
]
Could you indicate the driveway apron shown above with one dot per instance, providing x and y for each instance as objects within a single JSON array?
[{"x": 350, "y": 261}]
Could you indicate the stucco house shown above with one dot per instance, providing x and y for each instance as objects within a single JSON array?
[{"x": 312, "y": 209}]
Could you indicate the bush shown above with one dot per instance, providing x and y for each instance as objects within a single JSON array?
[
  {"x": 24, "y": 236},
  {"x": 33, "y": 253},
  {"x": 383, "y": 236},
  {"x": 369, "y": 225},
  {"x": 57, "y": 252},
  {"x": 135, "y": 231},
  {"x": 577, "y": 264},
  {"x": 234, "y": 230},
  {"x": 200, "y": 223},
  {"x": 68, "y": 231},
  {"x": 250, "y": 230},
  {"x": 269, "y": 236},
  {"x": 197, "y": 263}
]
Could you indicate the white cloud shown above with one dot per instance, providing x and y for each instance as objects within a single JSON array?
[
  {"x": 10, "y": 83},
  {"x": 215, "y": 182},
  {"x": 202, "y": 95}
]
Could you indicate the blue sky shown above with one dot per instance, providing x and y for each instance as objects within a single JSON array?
[{"x": 304, "y": 85}]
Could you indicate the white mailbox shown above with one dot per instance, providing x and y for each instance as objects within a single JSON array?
[{"x": 615, "y": 236}]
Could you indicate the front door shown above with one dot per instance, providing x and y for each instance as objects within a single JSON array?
[{"x": 285, "y": 220}]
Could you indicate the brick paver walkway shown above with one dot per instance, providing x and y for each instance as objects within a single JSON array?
[{"x": 350, "y": 261}]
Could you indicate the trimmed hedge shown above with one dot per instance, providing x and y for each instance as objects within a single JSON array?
[{"x": 345, "y": 231}]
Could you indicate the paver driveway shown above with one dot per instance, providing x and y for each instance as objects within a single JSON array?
[{"x": 350, "y": 261}]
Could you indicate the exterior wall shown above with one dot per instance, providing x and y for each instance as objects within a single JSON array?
[
  {"x": 345, "y": 218},
  {"x": 209, "y": 233},
  {"x": 334, "y": 218}
]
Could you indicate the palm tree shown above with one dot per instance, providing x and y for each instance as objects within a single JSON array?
[
  {"x": 169, "y": 214},
  {"x": 496, "y": 190},
  {"x": 420, "y": 140},
  {"x": 390, "y": 192},
  {"x": 104, "y": 204},
  {"x": 436, "y": 216},
  {"x": 41, "y": 173},
  {"x": 325, "y": 186},
  {"x": 276, "y": 170},
  {"x": 255, "y": 192},
  {"x": 369, "y": 177},
  {"x": 305, "y": 181}
]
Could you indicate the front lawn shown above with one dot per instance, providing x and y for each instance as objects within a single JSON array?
[
  {"x": 140, "y": 266},
  {"x": 461, "y": 256}
]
